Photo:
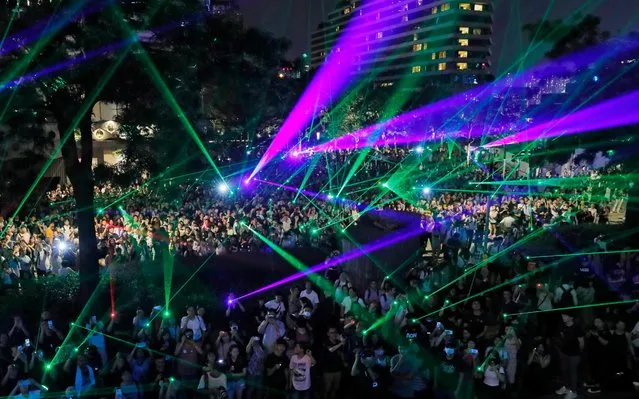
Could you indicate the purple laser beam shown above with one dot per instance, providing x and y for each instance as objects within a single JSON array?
[
  {"x": 616, "y": 112},
  {"x": 445, "y": 110},
  {"x": 333, "y": 77},
  {"x": 20, "y": 39},
  {"x": 85, "y": 57},
  {"x": 374, "y": 246}
]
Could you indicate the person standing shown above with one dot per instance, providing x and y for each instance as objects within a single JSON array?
[
  {"x": 571, "y": 346},
  {"x": 332, "y": 362},
  {"x": 448, "y": 376},
  {"x": 300, "y": 366},
  {"x": 597, "y": 340},
  {"x": 276, "y": 377}
]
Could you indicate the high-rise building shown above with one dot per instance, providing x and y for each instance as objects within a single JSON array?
[{"x": 420, "y": 42}]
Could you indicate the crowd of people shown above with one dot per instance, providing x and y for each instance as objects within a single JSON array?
[{"x": 433, "y": 329}]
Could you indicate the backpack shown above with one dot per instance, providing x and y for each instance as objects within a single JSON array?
[{"x": 566, "y": 299}]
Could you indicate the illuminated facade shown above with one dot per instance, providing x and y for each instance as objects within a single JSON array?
[{"x": 432, "y": 42}]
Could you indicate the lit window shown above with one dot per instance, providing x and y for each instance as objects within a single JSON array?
[
  {"x": 405, "y": 7},
  {"x": 417, "y": 69},
  {"x": 405, "y": 18},
  {"x": 464, "y": 6},
  {"x": 337, "y": 29},
  {"x": 478, "y": 7},
  {"x": 463, "y": 42},
  {"x": 380, "y": 35},
  {"x": 462, "y": 66},
  {"x": 415, "y": 36},
  {"x": 419, "y": 2},
  {"x": 347, "y": 11},
  {"x": 434, "y": 56},
  {"x": 434, "y": 10},
  {"x": 462, "y": 54},
  {"x": 477, "y": 31},
  {"x": 445, "y": 7},
  {"x": 425, "y": 46},
  {"x": 417, "y": 47},
  {"x": 464, "y": 30},
  {"x": 442, "y": 54},
  {"x": 441, "y": 66}
]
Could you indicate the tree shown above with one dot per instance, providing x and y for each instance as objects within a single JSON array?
[
  {"x": 565, "y": 38},
  {"x": 568, "y": 38},
  {"x": 220, "y": 75},
  {"x": 225, "y": 81}
]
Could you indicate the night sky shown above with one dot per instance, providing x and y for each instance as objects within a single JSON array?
[{"x": 296, "y": 19}]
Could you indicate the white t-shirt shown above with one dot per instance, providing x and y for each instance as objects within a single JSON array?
[
  {"x": 347, "y": 303},
  {"x": 213, "y": 382},
  {"x": 301, "y": 372},
  {"x": 196, "y": 324},
  {"x": 312, "y": 296},
  {"x": 491, "y": 378}
]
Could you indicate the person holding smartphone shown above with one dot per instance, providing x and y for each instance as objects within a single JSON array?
[
  {"x": 371, "y": 378},
  {"x": 537, "y": 376},
  {"x": 300, "y": 367},
  {"x": 140, "y": 362},
  {"x": 50, "y": 337},
  {"x": 187, "y": 352},
  {"x": 276, "y": 373},
  {"x": 213, "y": 382},
  {"x": 493, "y": 380}
]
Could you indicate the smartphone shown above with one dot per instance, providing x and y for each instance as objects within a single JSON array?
[
  {"x": 94, "y": 319},
  {"x": 118, "y": 393},
  {"x": 141, "y": 345},
  {"x": 50, "y": 323},
  {"x": 374, "y": 384},
  {"x": 439, "y": 325},
  {"x": 20, "y": 348},
  {"x": 473, "y": 352},
  {"x": 220, "y": 361},
  {"x": 448, "y": 332},
  {"x": 27, "y": 342}
]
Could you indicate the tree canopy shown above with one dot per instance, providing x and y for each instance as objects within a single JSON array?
[{"x": 170, "y": 66}]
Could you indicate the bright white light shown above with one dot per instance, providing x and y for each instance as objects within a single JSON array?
[
  {"x": 62, "y": 246},
  {"x": 223, "y": 188},
  {"x": 330, "y": 196},
  {"x": 296, "y": 154},
  {"x": 419, "y": 150},
  {"x": 426, "y": 190}
]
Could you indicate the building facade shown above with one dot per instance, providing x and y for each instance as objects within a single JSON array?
[{"x": 419, "y": 42}]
